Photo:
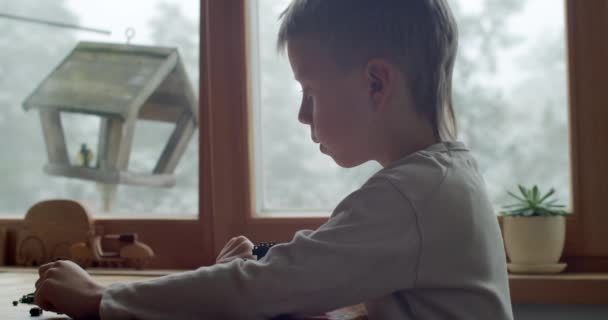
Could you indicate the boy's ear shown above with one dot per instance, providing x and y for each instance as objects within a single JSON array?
[{"x": 380, "y": 78}]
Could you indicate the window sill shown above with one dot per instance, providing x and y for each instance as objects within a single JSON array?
[{"x": 565, "y": 288}]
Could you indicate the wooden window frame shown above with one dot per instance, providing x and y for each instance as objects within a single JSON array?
[
  {"x": 232, "y": 155},
  {"x": 586, "y": 240},
  {"x": 226, "y": 169}
]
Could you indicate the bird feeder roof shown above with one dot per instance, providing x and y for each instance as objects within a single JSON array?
[{"x": 113, "y": 80}]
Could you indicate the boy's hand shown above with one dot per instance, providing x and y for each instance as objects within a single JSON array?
[
  {"x": 236, "y": 248},
  {"x": 64, "y": 287}
]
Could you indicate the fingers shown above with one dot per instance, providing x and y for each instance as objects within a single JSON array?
[
  {"x": 224, "y": 260},
  {"x": 241, "y": 243},
  {"x": 62, "y": 282},
  {"x": 240, "y": 248},
  {"x": 236, "y": 242},
  {"x": 249, "y": 257},
  {"x": 50, "y": 270},
  {"x": 45, "y": 290},
  {"x": 226, "y": 248},
  {"x": 237, "y": 247},
  {"x": 240, "y": 239},
  {"x": 242, "y": 256},
  {"x": 233, "y": 243},
  {"x": 43, "y": 268},
  {"x": 42, "y": 272},
  {"x": 246, "y": 241}
]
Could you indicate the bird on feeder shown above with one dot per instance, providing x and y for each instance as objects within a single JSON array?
[{"x": 84, "y": 157}]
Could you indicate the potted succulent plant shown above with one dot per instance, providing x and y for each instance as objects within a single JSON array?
[{"x": 534, "y": 230}]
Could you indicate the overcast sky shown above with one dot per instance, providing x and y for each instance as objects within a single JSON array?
[{"x": 118, "y": 15}]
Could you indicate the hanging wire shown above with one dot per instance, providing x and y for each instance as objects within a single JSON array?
[
  {"x": 54, "y": 24},
  {"x": 129, "y": 34}
]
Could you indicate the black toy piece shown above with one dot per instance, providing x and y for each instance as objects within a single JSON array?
[
  {"x": 261, "y": 249},
  {"x": 35, "y": 312},
  {"x": 27, "y": 299}
]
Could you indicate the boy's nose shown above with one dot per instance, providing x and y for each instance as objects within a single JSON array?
[{"x": 305, "y": 115}]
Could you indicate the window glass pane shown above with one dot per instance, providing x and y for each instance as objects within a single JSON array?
[
  {"x": 30, "y": 51},
  {"x": 510, "y": 95}
]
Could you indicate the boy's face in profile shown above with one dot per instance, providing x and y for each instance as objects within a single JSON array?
[{"x": 335, "y": 103}]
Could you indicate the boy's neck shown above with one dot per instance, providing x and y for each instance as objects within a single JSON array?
[
  {"x": 406, "y": 150},
  {"x": 405, "y": 140}
]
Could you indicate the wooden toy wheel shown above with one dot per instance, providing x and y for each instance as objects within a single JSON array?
[
  {"x": 31, "y": 252},
  {"x": 138, "y": 263},
  {"x": 61, "y": 251},
  {"x": 83, "y": 262},
  {"x": 81, "y": 254}
]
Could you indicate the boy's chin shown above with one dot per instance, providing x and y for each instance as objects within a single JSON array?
[
  {"x": 344, "y": 162},
  {"x": 347, "y": 165}
]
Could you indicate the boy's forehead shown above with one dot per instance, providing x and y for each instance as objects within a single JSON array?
[{"x": 307, "y": 58}]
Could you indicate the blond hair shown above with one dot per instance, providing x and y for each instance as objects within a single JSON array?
[{"x": 418, "y": 36}]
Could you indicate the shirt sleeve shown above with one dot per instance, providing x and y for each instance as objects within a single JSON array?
[{"x": 369, "y": 248}]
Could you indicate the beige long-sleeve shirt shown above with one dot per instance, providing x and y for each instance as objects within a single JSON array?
[{"x": 419, "y": 240}]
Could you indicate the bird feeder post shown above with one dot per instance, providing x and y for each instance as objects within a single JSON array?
[{"x": 54, "y": 138}]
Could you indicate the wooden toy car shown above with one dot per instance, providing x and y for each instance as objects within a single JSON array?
[
  {"x": 132, "y": 253},
  {"x": 63, "y": 229}
]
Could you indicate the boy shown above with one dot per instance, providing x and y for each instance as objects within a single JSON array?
[{"x": 418, "y": 240}]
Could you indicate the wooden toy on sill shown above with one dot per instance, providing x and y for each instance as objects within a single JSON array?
[
  {"x": 3, "y": 246},
  {"x": 132, "y": 253},
  {"x": 121, "y": 84},
  {"x": 63, "y": 229},
  {"x": 50, "y": 228}
]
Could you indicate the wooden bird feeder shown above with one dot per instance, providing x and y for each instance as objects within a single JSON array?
[{"x": 120, "y": 84}]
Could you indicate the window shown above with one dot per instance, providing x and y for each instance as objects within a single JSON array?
[
  {"x": 511, "y": 95},
  {"x": 227, "y": 178},
  {"x": 32, "y": 50},
  {"x": 165, "y": 219},
  {"x": 510, "y": 100},
  {"x": 587, "y": 48}
]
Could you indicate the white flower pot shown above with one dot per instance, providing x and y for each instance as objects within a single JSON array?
[{"x": 534, "y": 244}]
